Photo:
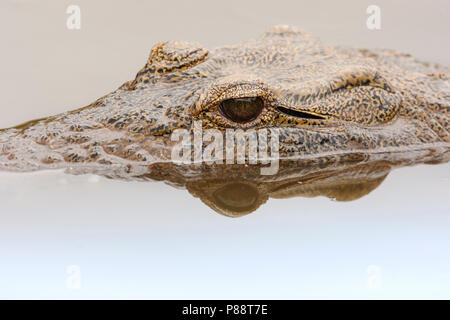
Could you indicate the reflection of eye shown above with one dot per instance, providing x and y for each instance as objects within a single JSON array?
[{"x": 242, "y": 110}]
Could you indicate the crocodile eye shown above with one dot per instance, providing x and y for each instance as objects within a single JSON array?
[{"x": 241, "y": 110}]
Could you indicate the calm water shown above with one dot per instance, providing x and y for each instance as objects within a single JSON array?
[{"x": 121, "y": 239}]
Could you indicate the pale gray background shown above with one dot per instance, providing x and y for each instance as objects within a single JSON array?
[
  {"x": 148, "y": 240},
  {"x": 47, "y": 69}
]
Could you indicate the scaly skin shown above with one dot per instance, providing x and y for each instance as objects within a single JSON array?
[{"x": 326, "y": 102}]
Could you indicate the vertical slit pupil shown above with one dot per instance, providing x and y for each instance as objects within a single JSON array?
[{"x": 242, "y": 109}]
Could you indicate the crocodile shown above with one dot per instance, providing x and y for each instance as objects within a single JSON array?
[{"x": 329, "y": 104}]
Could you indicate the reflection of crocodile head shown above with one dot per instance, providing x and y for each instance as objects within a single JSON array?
[
  {"x": 323, "y": 101},
  {"x": 236, "y": 197},
  {"x": 236, "y": 190}
]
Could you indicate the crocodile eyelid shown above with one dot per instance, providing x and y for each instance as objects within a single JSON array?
[{"x": 300, "y": 114}]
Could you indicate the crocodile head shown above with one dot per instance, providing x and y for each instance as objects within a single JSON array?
[{"x": 322, "y": 101}]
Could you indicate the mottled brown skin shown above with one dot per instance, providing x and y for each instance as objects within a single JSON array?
[{"x": 326, "y": 102}]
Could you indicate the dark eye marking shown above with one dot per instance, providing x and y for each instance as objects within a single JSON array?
[
  {"x": 242, "y": 109},
  {"x": 299, "y": 114}
]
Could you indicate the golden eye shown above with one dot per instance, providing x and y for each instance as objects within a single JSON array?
[{"x": 242, "y": 110}]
